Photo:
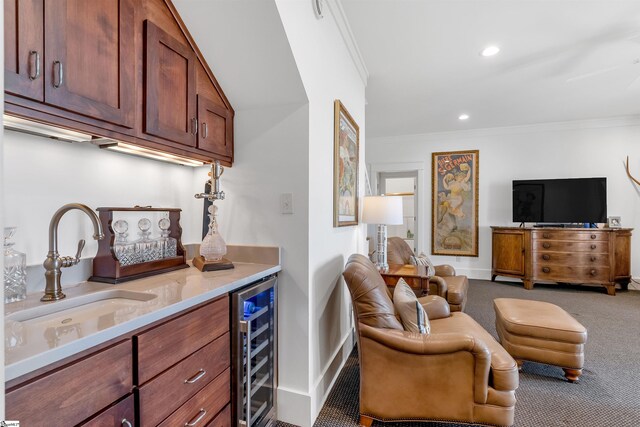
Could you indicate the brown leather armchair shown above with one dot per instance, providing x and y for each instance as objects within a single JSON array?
[
  {"x": 457, "y": 373},
  {"x": 445, "y": 283}
]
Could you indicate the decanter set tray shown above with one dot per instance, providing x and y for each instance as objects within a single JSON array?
[{"x": 113, "y": 262}]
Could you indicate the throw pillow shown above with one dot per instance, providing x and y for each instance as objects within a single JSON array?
[
  {"x": 422, "y": 259},
  {"x": 412, "y": 314}
]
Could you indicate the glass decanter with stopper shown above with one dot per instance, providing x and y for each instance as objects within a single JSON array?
[
  {"x": 169, "y": 245},
  {"x": 148, "y": 248},
  {"x": 213, "y": 247},
  {"x": 15, "y": 270}
]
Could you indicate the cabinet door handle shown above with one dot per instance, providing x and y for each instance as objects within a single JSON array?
[
  {"x": 546, "y": 270},
  {"x": 593, "y": 246},
  {"x": 592, "y": 272},
  {"x": 36, "y": 64},
  {"x": 593, "y": 237},
  {"x": 201, "y": 373},
  {"x": 194, "y": 126},
  {"x": 195, "y": 420},
  {"x": 546, "y": 257},
  {"x": 60, "y": 74},
  {"x": 205, "y": 130},
  {"x": 125, "y": 422},
  {"x": 546, "y": 245}
]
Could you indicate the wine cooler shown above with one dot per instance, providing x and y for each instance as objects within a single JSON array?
[{"x": 254, "y": 354}]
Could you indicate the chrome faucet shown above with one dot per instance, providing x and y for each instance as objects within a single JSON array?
[{"x": 54, "y": 263}]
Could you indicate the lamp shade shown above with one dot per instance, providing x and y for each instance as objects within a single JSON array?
[{"x": 382, "y": 210}]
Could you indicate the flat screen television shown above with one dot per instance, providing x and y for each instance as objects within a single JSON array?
[{"x": 560, "y": 201}]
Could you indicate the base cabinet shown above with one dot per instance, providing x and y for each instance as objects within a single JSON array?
[{"x": 563, "y": 255}]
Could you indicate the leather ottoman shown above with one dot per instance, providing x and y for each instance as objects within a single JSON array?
[{"x": 541, "y": 332}]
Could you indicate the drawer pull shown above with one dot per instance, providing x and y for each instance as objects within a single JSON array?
[
  {"x": 546, "y": 245},
  {"x": 546, "y": 270},
  {"x": 593, "y": 246},
  {"x": 593, "y": 259},
  {"x": 592, "y": 272},
  {"x": 593, "y": 237},
  {"x": 546, "y": 235},
  {"x": 125, "y": 422},
  {"x": 546, "y": 257},
  {"x": 201, "y": 373},
  {"x": 195, "y": 420}
]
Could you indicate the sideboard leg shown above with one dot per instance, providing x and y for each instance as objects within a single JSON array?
[
  {"x": 611, "y": 288},
  {"x": 572, "y": 375},
  {"x": 528, "y": 284},
  {"x": 493, "y": 277},
  {"x": 365, "y": 421}
]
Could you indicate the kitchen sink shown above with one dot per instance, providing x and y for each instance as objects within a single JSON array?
[{"x": 64, "y": 321}]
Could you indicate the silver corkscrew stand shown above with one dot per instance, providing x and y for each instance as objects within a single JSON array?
[{"x": 215, "y": 194}]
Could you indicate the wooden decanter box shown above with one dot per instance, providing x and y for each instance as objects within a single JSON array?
[{"x": 109, "y": 269}]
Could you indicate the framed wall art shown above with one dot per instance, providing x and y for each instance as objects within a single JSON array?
[
  {"x": 454, "y": 220},
  {"x": 345, "y": 167}
]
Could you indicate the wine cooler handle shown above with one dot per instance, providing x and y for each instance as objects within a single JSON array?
[{"x": 246, "y": 327}]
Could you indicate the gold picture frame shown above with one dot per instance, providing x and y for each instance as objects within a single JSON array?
[
  {"x": 346, "y": 147},
  {"x": 454, "y": 203}
]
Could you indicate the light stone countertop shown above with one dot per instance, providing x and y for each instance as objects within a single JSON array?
[{"x": 34, "y": 344}]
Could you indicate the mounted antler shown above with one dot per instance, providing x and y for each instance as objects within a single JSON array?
[{"x": 629, "y": 173}]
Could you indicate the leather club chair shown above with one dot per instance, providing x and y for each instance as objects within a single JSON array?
[
  {"x": 457, "y": 373},
  {"x": 445, "y": 283}
]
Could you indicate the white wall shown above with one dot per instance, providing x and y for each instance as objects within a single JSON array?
[
  {"x": 41, "y": 175},
  {"x": 563, "y": 150},
  {"x": 271, "y": 153},
  {"x": 328, "y": 72}
]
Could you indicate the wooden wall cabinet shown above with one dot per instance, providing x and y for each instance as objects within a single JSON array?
[
  {"x": 121, "y": 69},
  {"x": 563, "y": 255},
  {"x": 171, "y": 373}
]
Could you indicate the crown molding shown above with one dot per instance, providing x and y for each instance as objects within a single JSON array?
[
  {"x": 610, "y": 122},
  {"x": 340, "y": 17}
]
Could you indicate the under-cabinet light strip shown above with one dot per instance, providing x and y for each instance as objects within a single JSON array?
[{"x": 123, "y": 147}]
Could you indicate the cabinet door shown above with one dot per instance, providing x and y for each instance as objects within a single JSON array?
[
  {"x": 90, "y": 58},
  {"x": 23, "y": 48},
  {"x": 508, "y": 255},
  {"x": 121, "y": 414},
  {"x": 170, "y": 97},
  {"x": 216, "y": 128}
]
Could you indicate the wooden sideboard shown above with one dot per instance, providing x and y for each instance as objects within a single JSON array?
[{"x": 563, "y": 255}]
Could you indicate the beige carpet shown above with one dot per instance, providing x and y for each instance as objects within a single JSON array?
[{"x": 608, "y": 393}]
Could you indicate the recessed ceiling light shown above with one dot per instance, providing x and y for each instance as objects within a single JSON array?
[
  {"x": 490, "y": 51},
  {"x": 463, "y": 117}
]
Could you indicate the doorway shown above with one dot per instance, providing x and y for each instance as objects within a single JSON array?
[{"x": 405, "y": 185}]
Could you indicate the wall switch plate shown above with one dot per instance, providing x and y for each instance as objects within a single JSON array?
[{"x": 286, "y": 203}]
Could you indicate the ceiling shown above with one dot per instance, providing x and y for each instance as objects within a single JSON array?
[
  {"x": 559, "y": 61},
  {"x": 247, "y": 49}
]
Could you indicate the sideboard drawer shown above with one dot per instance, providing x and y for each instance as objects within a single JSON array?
[
  {"x": 116, "y": 416},
  {"x": 165, "y": 393},
  {"x": 167, "y": 344},
  {"x": 580, "y": 235},
  {"x": 203, "y": 407},
  {"x": 223, "y": 419},
  {"x": 566, "y": 246},
  {"x": 572, "y": 258},
  {"x": 559, "y": 273},
  {"x": 74, "y": 392}
]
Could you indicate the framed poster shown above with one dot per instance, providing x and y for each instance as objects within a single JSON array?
[
  {"x": 345, "y": 167},
  {"x": 454, "y": 219}
]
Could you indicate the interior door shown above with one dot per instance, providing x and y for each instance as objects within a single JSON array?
[
  {"x": 24, "y": 48},
  {"x": 90, "y": 66},
  {"x": 403, "y": 184},
  {"x": 170, "y": 90},
  {"x": 215, "y": 128}
]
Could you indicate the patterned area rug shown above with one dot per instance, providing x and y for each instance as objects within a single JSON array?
[{"x": 608, "y": 393}]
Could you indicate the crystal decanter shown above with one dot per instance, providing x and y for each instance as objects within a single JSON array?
[
  {"x": 15, "y": 270},
  {"x": 148, "y": 248},
  {"x": 213, "y": 247},
  {"x": 169, "y": 245}
]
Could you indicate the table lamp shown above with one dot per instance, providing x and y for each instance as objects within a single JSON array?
[{"x": 383, "y": 211}]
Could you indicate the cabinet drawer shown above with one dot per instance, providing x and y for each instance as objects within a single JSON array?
[
  {"x": 223, "y": 419},
  {"x": 75, "y": 392},
  {"x": 204, "y": 406},
  {"x": 564, "y": 246},
  {"x": 165, "y": 393},
  {"x": 558, "y": 273},
  {"x": 116, "y": 416},
  {"x": 570, "y": 235},
  {"x": 169, "y": 343},
  {"x": 572, "y": 258}
]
